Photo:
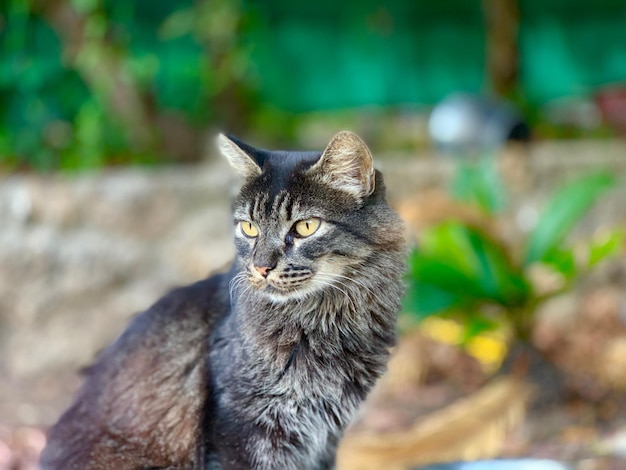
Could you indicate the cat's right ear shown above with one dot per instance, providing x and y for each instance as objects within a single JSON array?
[
  {"x": 239, "y": 155},
  {"x": 347, "y": 165}
]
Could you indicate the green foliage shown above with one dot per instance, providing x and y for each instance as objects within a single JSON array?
[
  {"x": 91, "y": 87},
  {"x": 564, "y": 210},
  {"x": 479, "y": 184},
  {"x": 469, "y": 273},
  {"x": 34, "y": 89},
  {"x": 455, "y": 258},
  {"x": 605, "y": 246}
]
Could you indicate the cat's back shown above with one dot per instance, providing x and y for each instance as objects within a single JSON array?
[{"x": 142, "y": 400}]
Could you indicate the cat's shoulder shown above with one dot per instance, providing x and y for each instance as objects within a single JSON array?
[
  {"x": 188, "y": 308},
  {"x": 205, "y": 298},
  {"x": 179, "y": 320}
]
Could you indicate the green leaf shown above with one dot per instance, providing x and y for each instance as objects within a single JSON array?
[
  {"x": 562, "y": 260},
  {"x": 423, "y": 299},
  {"x": 459, "y": 265},
  {"x": 479, "y": 184},
  {"x": 605, "y": 246},
  {"x": 449, "y": 243},
  {"x": 439, "y": 273},
  {"x": 497, "y": 275},
  {"x": 563, "y": 211},
  {"x": 477, "y": 324}
]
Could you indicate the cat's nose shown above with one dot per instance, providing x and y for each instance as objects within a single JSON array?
[{"x": 263, "y": 270}]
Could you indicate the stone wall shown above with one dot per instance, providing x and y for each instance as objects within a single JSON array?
[{"x": 80, "y": 254}]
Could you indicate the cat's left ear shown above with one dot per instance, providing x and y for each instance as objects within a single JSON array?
[
  {"x": 347, "y": 165},
  {"x": 239, "y": 155}
]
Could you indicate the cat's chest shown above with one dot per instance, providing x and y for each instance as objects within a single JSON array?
[
  {"x": 281, "y": 366},
  {"x": 275, "y": 368},
  {"x": 284, "y": 374}
]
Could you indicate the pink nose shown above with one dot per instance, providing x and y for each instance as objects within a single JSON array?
[{"x": 263, "y": 270}]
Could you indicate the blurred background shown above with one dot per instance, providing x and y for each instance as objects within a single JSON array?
[
  {"x": 499, "y": 126},
  {"x": 87, "y": 83}
]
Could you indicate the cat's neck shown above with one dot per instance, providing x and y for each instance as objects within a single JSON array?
[{"x": 352, "y": 311}]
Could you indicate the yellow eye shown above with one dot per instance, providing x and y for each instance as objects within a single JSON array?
[
  {"x": 249, "y": 229},
  {"x": 306, "y": 228}
]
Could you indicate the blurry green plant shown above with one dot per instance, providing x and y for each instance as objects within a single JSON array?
[
  {"x": 466, "y": 272},
  {"x": 87, "y": 83}
]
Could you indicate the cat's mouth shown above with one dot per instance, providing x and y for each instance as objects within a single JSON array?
[{"x": 284, "y": 283}]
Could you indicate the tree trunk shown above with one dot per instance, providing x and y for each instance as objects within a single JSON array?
[{"x": 501, "y": 19}]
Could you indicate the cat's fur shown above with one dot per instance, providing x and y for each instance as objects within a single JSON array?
[{"x": 244, "y": 371}]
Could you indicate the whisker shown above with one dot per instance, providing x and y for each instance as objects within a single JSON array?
[
  {"x": 235, "y": 283},
  {"x": 355, "y": 281},
  {"x": 243, "y": 293},
  {"x": 329, "y": 283}
]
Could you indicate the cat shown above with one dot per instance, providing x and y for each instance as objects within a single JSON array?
[{"x": 262, "y": 366}]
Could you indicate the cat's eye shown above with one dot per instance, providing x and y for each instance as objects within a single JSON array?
[
  {"x": 306, "y": 228},
  {"x": 249, "y": 229}
]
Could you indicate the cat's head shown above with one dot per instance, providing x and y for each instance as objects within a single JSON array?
[{"x": 308, "y": 221}]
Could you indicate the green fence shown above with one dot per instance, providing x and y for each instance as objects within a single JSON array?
[
  {"x": 312, "y": 55},
  {"x": 227, "y": 62}
]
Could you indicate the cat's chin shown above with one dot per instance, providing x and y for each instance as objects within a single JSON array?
[
  {"x": 278, "y": 297},
  {"x": 281, "y": 293}
]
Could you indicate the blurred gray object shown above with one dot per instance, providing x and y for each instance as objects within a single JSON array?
[
  {"x": 469, "y": 125},
  {"x": 516, "y": 464}
]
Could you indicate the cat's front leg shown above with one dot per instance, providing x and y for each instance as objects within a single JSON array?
[
  {"x": 327, "y": 459},
  {"x": 241, "y": 445}
]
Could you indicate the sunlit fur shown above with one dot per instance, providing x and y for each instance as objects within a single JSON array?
[{"x": 261, "y": 367}]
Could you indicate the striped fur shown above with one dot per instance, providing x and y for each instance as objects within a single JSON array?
[{"x": 252, "y": 371}]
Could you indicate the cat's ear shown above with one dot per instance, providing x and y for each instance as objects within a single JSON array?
[
  {"x": 347, "y": 165},
  {"x": 239, "y": 155}
]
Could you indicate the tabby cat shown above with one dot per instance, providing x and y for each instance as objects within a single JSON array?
[{"x": 263, "y": 366}]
